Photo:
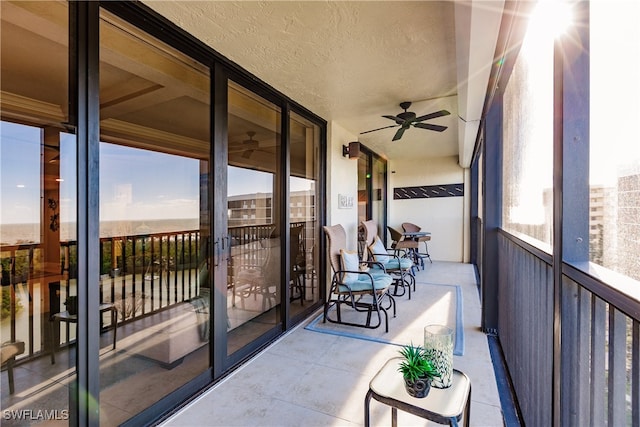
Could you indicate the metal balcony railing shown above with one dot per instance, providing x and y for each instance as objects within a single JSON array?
[
  {"x": 140, "y": 274},
  {"x": 597, "y": 355}
]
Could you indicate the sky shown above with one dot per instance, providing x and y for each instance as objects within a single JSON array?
[
  {"x": 614, "y": 107},
  {"x": 615, "y": 90},
  {"x": 140, "y": 184},
  {"x": 19, "y": 178},
  {"x": 135, "y": 184}
]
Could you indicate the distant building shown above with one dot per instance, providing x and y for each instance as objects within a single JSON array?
[
  {"x": 257, "y": 208},
  {"x": 597, "y": 214},
  {"x": 628, "y": 225},
  {"x": 614, "y": 226}
]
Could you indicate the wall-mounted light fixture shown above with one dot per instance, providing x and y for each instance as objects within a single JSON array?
[{"x": 353, "y": 150}]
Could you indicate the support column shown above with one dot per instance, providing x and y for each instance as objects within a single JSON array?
[
  {"x": 50, "y": 203},
  {"x": 492, "y": 215}
]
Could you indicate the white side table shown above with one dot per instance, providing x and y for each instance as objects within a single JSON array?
[{"x": 443, "y": 406}]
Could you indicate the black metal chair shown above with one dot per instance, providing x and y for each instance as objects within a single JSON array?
[
  {"x": 256, "y": 272},
  {"x": 399, "y": 267},
  {"x": 363, "y": 291},
  {"x": 297, "y": 263}
]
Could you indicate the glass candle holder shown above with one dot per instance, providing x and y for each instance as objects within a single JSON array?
[{"x": 438, "y": 344}]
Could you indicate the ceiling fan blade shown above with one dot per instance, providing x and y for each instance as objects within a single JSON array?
[
  {"x": 374, "y": 130},
  {"x": 398, "y": 134},
  {"x": 432, "y": 116},
  {"x": 429, "y": 126},
  {"x": 398, "y": 120}
]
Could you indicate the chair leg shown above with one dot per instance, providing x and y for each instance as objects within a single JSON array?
[
  {"x": 10, "y": 374},
  {"x": 426, "y": 251},
  {"x": 327, "y": 306},
  {"x": 297, "y": 284},
  {"x": 403, "y": 274},
  {"x": 420, "y": 259},
  {"x": 53, "y": 327},
  {"x": 386, "y": 319},
  {"x": 392, "y": 302}
]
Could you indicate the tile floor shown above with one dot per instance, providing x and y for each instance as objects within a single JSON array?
[{"x": 314, "y": 379}]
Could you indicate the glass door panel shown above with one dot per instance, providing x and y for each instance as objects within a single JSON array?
[
  {"x": 364, "y": 175},
  {"x": 372, "y": 197},
  {"x": 303, "y": 242},
  {"x": 154, "y": 214},
  {"x": 379, "y": 191},
  {"x": 254, "y": 197},
  {"x": 364, "y": 206},
  {"x": 37, "y": 214}
]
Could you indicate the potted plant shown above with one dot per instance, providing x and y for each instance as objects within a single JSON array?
[{"x": 417, "y": 370}]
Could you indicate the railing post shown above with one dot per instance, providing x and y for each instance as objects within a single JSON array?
[{"x": 570, "y": 199}]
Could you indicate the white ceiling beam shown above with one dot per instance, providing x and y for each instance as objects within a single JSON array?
[{"x": 477, "y": 28}]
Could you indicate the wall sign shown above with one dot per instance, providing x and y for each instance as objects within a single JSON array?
[
  {"x": 345, "y": 202},
  {"x": 428, "y": 191}
]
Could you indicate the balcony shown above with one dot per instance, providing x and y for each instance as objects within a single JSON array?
[
  {"x": 313, "y": 378},
  {"x": 156, "y": 285},
  {"x": 304, "y": 375},
  {"x": 157, "y": 279},
  {"x": 568, "y": 331},
  {"x": 599, "y": 317}
]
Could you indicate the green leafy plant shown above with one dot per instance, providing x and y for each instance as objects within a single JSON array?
[
  {"x": 5, "y": 310},
  {"x": 416, "y": 364}
]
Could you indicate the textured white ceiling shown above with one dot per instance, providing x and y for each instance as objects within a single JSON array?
[{"x": 353, "y": 61}]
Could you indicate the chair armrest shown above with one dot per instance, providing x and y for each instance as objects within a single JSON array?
[
  {"x": 337, "y": 275},
  {"x": 340, "y": 272},
  {"x": 378, "y": 263},
  {"x": 389, "y": 254}
]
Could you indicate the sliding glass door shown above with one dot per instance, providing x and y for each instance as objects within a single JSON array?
[
  {"x": 159, "y": 222},
  {"x": 254, "y": 200},
  {"x": 372, "y": 189},
  {"x": 154, "y": 231},
  {"x": 38, "y": 213},
  {"x": 304, "y": 186},
  {"x": 378, "y": 194}
]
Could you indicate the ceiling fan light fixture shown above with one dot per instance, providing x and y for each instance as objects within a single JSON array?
[{"x": 250, "y": 144}]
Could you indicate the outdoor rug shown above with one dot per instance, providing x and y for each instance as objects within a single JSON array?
[{"x": 429, "y": 304}]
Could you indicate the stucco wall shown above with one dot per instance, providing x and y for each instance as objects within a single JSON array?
[
  {"x": 343, "y": 179},
  {"x": 444, "y": 217}
]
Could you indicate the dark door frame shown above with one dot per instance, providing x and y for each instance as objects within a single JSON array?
[
  {"x": 369, "y": 157},
  {"x": 84, "y": 48}
]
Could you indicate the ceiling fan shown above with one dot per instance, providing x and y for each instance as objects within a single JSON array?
[
  {"x": 406, "y": 119},
  {"x": 249, "y": 145}
]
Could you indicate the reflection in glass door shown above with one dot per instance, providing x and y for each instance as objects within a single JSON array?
[
  {"x": 379, "y": 190},
  {"x": 254, "y": 198},
  {"x": 154, "y": 220},
  {"x": 303, "y": 213},
  {"x": 38, "y": 212},
  {"x": 364, "y": 175},
  {"x": 372, "y": 191}
]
